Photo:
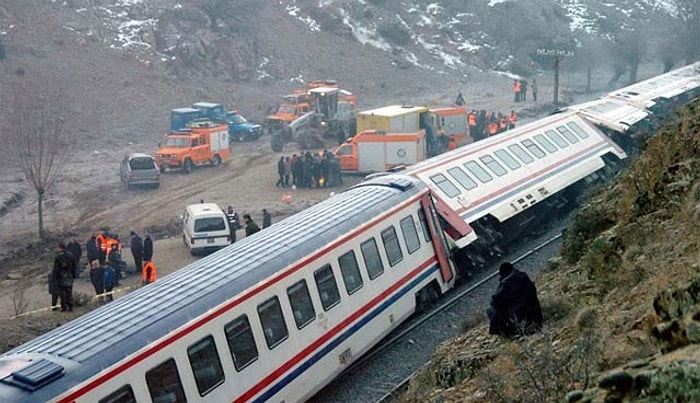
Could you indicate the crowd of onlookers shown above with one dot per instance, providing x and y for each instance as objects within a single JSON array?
[
  {"x": 105, "y": 264},
  {"x": 309, "y": 170}
]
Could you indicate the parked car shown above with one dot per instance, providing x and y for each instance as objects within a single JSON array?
[
  {"x": 139, "y": 170},
  {"x": 240, "y": 129}
]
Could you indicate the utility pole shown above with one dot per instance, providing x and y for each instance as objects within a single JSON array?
[{"x": 558, "y": 54}]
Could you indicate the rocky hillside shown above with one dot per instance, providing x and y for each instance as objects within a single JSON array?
[
  {"x": 135, "y": 59},
  {"x": 621, "y": 305}
]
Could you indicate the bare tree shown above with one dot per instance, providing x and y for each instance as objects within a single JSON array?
[{"x": 35, "y": 137}]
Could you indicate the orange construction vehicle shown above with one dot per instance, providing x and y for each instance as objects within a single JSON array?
[
  {"x": 203, "y": 142},
  {"x": 319, "y": 110}
]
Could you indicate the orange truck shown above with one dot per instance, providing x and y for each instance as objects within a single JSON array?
[
  {"x": 202, "y": 143},
  {"x": 374, "y": 151}
]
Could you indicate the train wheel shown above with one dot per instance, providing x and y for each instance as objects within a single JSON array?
[{"x": 427, "y": 296}]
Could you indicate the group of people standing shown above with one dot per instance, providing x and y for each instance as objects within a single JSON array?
[
  {"x": 520, "y": 90},
  {"x": 483, "y": 124},
  {"x": 309, "y": 170},
  {"x": 103, "y": 252}
]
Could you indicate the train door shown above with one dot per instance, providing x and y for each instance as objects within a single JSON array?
[{"x": 438, "y": 238}]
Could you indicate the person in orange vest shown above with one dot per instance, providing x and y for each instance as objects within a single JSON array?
[
  {"x": 516, "y": 90},
  {"x": 502, "y": 123},
  {"x": 471, "y": 120},
  {"x": 452, "y": 144},
  {"x": 149, "y": 273},
  {"x": 511, "y": 119}
]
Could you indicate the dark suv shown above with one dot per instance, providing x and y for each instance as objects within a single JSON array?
[{"x": 139, "y": 170}]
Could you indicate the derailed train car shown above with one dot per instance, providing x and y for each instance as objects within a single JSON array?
[
  {"x": 631, "y": 114},
  {"x": 278, "y": 315},
  {"x": 506, "y": 184}
]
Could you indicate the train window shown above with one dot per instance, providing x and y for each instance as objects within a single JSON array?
[
  {"x": 507, "y": 159},
  {"x": 410, "y": 235},
  {"x": 370, "y": 254},
  {"x": 206, "y": 366},
  {"x": 478, "y": 171},
  {"x": 567, "y": 134},
  {"x": 462, "y": 178},
  {"x": 532, "y": 147},
  {"x": 548, "y": 145},
  {"x": 557, "y": 138},
  {"x": 272, "y": 321},
  {"x": 350, "y": 272},
  {"x": 164, "y": 383},
  {"x": 445, "y": 185},
  {"x": 241, "y": 342},
  {"x": 578, "y": 130},
  {"x": 122, "y": 395},
  {"x": 327, "y": 287},
  {"x": 391, "y": 246},
  {"x": 522, "y": 155},
  {"x": 424, "y": 225},
  {"x": 493, "y": 165},
  {"x": 300, "y": 300}
]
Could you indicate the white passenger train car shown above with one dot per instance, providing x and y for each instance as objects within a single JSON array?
[
  {"x": 494, "y": 183},
  {"x": 273, "y": 317}
]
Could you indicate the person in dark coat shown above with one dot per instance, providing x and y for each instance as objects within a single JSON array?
[
  {"x": 97, "y": 273},
  {"x": 514, "y": 309},
  {"x": 148, "y": 248},
  {"x": 267, "y": 219},
  {"x": 77, "y": 251},
  {"x": 53, "y": 290},
  {"x": 64, "y": 273},
  {"x": 280, "y": 173},
  {"x": 250, "y": 226},
  {"x": 137, "y": 251},
  {"x": 232, "y": 218},
  {"x": 92, "y": 250}
]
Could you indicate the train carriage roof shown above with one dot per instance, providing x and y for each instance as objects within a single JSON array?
[
  {"x": 665, "y": 86},
  {"x": 611, "y": 113},
  {"x": 104, "y": 336}
]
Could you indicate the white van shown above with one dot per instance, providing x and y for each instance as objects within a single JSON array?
[{"x": 205, "y": 228}]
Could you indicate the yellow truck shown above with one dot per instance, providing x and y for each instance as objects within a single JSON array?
[{"x": 393, "y": 119}]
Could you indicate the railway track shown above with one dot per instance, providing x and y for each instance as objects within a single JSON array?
[
  {"x": 395, "y": 357},
  {"x": 388, "y": 397}
]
